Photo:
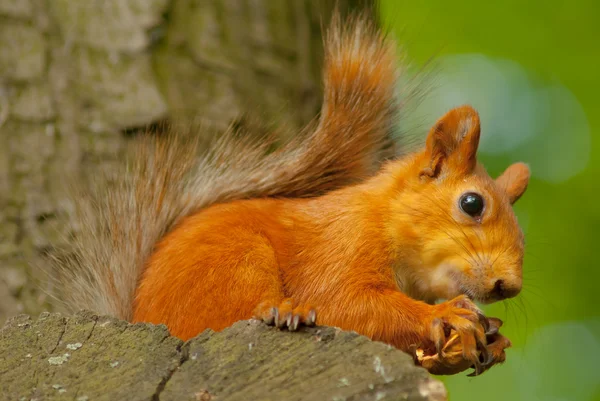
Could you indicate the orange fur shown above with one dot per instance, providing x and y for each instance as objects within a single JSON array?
[
  {"x": 362, "y": 255},
  {"x": 315, "y": 228}
]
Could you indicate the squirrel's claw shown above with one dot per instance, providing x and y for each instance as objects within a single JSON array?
[
  {"x": 494, "y": 325},
  {"x": 495, "y": 350},
  {"x": 478, "y": 369},
  {"x": 457, "y": 332},
  {"x": 484, "y": 322},
  {"x": 270, "y": 317},
  {"x": 438, "y": 335},
  {"x": 286, "y": 315},
  {"x": 484, "y": 355}
]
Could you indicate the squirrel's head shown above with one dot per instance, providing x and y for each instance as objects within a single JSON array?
[{"x": 464, "y": 233}]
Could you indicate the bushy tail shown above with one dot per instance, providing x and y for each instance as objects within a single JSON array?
[{"x": 121, "y": 219}]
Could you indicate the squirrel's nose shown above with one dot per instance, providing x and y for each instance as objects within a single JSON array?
[{"x": 503, "y": 290}]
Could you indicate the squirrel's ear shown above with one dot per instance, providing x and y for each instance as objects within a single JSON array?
[
  {"x": 514, "y": 181},
  {"x": 452, "y": 142}
]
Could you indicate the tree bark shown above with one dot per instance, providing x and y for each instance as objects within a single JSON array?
[
  {"x": 76, "y": 77},
  {"x": 90, "y": 357}
]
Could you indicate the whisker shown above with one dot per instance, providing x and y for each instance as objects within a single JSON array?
[
  {"x": 541, "y": 296},
  {"x": 504, "y": 250},
  {"x": 449, "y": 218},
  {"x": 451, "y": 237},
  {"x": 460, "y": 227}
]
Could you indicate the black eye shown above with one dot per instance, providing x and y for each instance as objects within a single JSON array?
[{"x": 472, "y": 204}]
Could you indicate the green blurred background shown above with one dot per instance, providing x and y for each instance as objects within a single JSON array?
[{"x": 531, "y": 69}]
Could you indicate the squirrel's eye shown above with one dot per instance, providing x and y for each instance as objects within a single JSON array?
[{"x": 472, "y": 204}]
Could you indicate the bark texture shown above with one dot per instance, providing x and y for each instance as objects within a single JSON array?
[
  {"x": 77, "y": 77},
  {"x": 88, "y": 357}
]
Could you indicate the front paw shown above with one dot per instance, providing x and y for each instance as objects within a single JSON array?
[
  {"x": 496, "y": 345},
  {"x": 458, "y": 332}
]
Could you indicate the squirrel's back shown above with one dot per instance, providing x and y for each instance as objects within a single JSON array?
[{"x": 118, "y": 224}]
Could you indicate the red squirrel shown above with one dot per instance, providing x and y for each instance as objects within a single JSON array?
[{"x": 319, "y": 230}]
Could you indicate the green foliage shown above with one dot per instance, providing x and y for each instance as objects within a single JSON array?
[{"x": 532, "y": 70}]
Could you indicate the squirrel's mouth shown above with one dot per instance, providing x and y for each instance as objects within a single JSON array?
[
  {"x": 486, "y": 299},
  {"x": 483, "y": 300},
  {"x": 489, "y": 297}
]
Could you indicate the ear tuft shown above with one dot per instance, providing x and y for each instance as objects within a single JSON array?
[
  {"x": 514, "y": 180},
  {"x": 453, "y": 140}
]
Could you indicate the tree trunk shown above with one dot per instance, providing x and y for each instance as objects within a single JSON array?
[{"x": 77, "y": 76}]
